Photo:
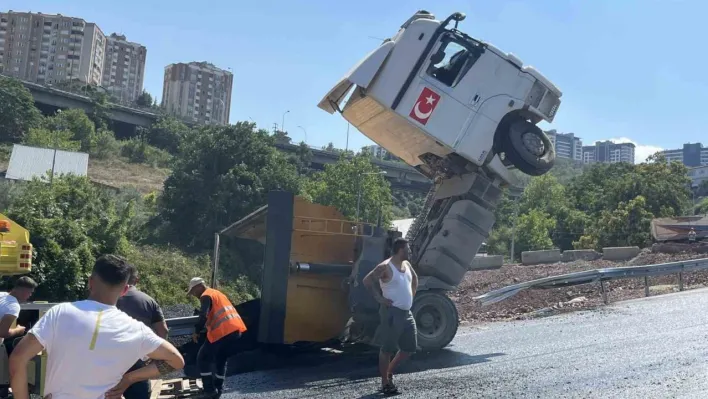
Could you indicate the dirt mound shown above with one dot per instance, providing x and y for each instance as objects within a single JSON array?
[{"x": 531, "y": 303}]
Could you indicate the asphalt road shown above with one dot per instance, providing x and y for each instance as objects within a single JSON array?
[{"x": 649, "y": 348}]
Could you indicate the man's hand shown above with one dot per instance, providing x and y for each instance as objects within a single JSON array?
[
  {"x": 117, "y": 391},
  {"x": 384, "y": 301},
  {"x": 17, "y": 331}
]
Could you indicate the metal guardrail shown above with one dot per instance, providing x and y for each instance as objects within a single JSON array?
[
  {"x": 599, "y": 275},
  {"x": 181, "y": 325}
]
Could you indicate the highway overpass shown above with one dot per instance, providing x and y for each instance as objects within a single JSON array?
[{"x": 125, "y": 119}]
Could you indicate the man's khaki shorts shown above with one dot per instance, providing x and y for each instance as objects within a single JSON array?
[{"x": 398, "y": 330}]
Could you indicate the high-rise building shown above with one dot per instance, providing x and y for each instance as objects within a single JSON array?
[
  {"x": 692, "y": 155},
  {"x": 567, "y": 145},
  {"x": 198, "y": 92},
  {"x": 376, "y": 151},
  {"x": 609, "y": 152},
  {"x": 124, "y": 68},
  {"x": 47, "y": 49}
]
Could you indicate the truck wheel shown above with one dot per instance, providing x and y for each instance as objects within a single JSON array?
[
  {"x": 528, "y": 148},
  {"x": 436, "y": 319}
]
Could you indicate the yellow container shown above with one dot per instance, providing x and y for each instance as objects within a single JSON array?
[{"x": 15, "y": 248}]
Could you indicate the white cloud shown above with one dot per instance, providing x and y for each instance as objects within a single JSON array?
[{"x": 641, "y": 152}]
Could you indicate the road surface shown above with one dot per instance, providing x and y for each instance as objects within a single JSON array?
[{"x": 648, "y": 348}]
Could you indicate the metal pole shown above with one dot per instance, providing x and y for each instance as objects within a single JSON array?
[
  {"x": 54, "y": 158},
  {"x": 303, "y": 129},
  {"x": 282, "y": 125},
  {"x": 604, "y": 292},
  {"x": 646, "y": 285},
  {"x": 358, "y": 197},
  {"x": 680, "y": 281},
  {"x": 513, "y": 231},
  {"x": 346, "y": 148},
  {"x": 215, "y": 269}
]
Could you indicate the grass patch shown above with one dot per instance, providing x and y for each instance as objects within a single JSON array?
[{"x": 122, "y": 174}]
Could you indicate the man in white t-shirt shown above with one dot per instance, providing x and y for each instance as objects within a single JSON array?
[
  {"x": 91, "y": 344},
  {"x": 10, "y": 302}
]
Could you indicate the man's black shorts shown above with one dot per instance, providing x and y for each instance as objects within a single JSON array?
[{"x": 398, "y": 330}]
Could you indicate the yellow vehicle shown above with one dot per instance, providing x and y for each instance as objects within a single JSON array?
[{"x": 16, "y": 259}]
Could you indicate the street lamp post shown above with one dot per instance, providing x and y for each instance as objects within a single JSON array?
[
  {"x": 282, "y": 125},
  {"x": 305, "y": 131}
]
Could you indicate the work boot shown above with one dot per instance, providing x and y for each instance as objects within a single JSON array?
[{"x": 210, "y": 390}]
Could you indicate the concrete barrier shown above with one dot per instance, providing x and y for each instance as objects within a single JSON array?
[
  {"x": 580, "y": 254},
  {"x": 620, "y": 253},
  {"x": 536, "y": 257},
  {"x": 487, "y": 262}
]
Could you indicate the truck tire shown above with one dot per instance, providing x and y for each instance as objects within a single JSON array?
[
  {"x": 436, "y": 319},
  {"x": 521, "y": 148}
]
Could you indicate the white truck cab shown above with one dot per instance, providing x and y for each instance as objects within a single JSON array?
[{"x": 445, "y": 102}]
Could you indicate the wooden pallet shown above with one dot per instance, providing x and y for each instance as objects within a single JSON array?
[{"x": 176, "y": 388}]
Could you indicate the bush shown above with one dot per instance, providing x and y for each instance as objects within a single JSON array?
[
  {"x": 137, "y": 150},
  {"x": 107, "y": 146},
  {"x": 45, "y": 138},
  {"x": 165, "y": 273}
]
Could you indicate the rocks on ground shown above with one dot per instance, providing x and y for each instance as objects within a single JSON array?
[{"x": 534, "y": 303}]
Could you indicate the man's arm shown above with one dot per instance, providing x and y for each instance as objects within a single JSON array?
[
  {"x": 5, "y": 330},
  {"x": 414, "y": 280},
  {"x": 159, "y": 325},
  {"x": 163, "y": 360},
  {"x": 205, "y": 301},
  {"x": 371, "y": 281},
  {"x": 28, "y": 348}
]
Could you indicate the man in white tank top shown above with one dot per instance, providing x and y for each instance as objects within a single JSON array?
[{"x": 394, "y": 283}]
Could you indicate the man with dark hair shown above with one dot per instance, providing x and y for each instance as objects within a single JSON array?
[
  {"x": 10, "y": 302},
  {"x": 90, "y": 344},
  {"x": 394, "y": 283},
  {"x": 143, "y": 308}
]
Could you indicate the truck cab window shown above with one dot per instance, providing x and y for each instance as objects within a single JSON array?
[{"x": 450, "y": 63}]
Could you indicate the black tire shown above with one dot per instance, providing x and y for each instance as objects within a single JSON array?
[
  {"x": 526, "y": 160},
  {"x": 436, "y": 319}
]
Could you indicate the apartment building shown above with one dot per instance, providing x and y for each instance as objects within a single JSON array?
[
  {"x": 691, "y": 155},
  {"x": 609, "y": 152},
  {"x": 567, "y": 145},
  {"x": 124, "y": 68},
  {"x": 376, "y": 151},
  {"x": 698, "y": 175},
  {"x": 198, "y": 92},
  {"x": 47, "y": 49}
]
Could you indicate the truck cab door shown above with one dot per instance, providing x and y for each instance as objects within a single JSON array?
[{"x": 444, "y": 74}]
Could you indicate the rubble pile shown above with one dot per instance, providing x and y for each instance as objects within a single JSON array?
[{"x": 534, "y": 303}]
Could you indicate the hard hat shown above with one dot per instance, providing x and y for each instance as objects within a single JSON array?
[{"x": 195, "y": 282}]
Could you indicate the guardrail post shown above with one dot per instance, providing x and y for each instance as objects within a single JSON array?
[
  {"x": 680, "y": 281},
  {"x": 646, "y": 285},
  {"x": 604, "y": 292}
]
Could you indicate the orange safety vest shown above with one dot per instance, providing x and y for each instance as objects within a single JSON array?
[{"x": 222, "y": 319}]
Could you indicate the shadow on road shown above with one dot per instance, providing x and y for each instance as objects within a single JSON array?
[{"x": 328, "y": 371}]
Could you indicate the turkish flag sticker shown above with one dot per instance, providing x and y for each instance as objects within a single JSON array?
[{"x": 424, "y": 107}]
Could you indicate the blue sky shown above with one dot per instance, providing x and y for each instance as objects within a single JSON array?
[{"x": 629, "y": 69}]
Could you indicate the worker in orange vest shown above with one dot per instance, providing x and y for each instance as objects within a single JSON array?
[{"x": 223, "y": 327}]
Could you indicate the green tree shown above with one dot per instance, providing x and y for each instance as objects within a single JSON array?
[
  {"x": 350, "y": 180},
  {"x": 282, "y": 137},
  {"x": 167, "y": 133},
  {"x": 301, "y": 159},
  {"x": 45, "y": 138},
  {"x": 17, "y": 112},
  {"x": 78, "y": 123},
  {"x": 71, "y": 222},
  {"x": 533, "y": 232},
  {"x": 627, "y": 225},
  {"x": 702, "y": 207},
  {"x": 220, "y": 174},
  {"x": 144, "y": 100}
]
